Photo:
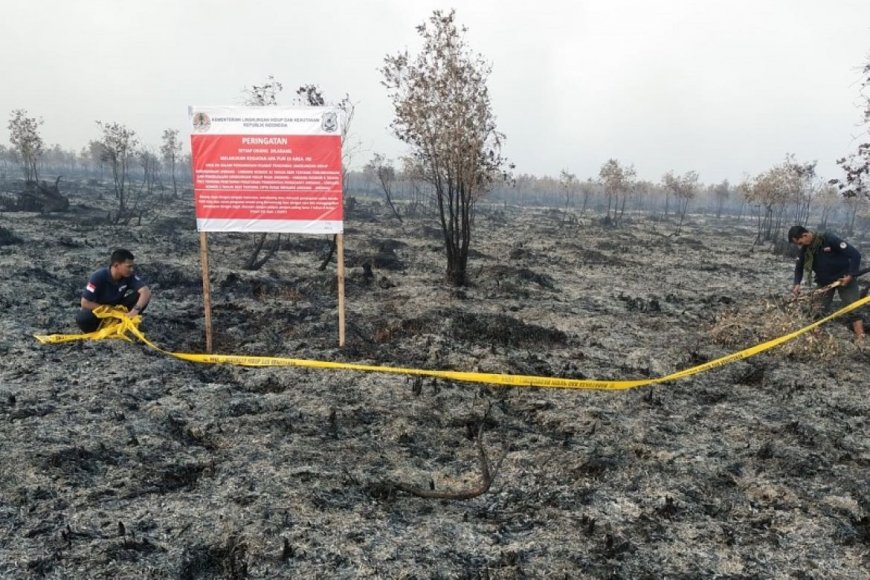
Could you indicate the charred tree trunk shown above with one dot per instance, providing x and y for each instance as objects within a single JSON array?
[
  {"x": 255, "y": 262},
  {"x": 329, "y": 254}
]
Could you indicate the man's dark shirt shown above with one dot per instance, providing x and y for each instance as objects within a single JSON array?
[
  {"x": 103, "y": 290},
  {"x": 833, "y": 259}
]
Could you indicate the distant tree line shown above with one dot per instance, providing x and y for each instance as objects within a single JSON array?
[
  {"x": 135, "y": 173},
  {"x": 788, "y": 193},
  {"x": 28, "y": 154}
]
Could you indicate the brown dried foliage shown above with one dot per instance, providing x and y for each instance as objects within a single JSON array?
[{"x": 773, "y": 317}]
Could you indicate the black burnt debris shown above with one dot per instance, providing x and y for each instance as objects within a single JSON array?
[{"x": 119, "y": 461}]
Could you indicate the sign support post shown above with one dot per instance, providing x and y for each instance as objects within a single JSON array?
[
  {"x": 206, "y": 289},
  {"x": 339, "y": 241}
]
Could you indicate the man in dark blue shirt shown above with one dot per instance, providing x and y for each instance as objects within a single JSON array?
[
  {"x": 114, "y": 285},
  {"x": 831, "y": 260}
]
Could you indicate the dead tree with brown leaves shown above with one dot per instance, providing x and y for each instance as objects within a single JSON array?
[
  {"x": 382, "y": 169},
  {"x": 443, "y": 111}
]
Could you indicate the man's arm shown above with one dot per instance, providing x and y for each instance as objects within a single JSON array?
[
  {"x": 88, "y": 304},
  {"x": 89, "y": 294},
  {"x": 854, "y": 258},
  {"x": 144, "y": 299},
  {"x": 852, "y": 253},
  {"x": 798, "y": 271}
]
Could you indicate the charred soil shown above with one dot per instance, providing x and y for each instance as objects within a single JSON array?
[{"x": 117, "y": 461}]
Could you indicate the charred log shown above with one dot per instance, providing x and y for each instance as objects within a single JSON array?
[{"x": 42, "y": 197}]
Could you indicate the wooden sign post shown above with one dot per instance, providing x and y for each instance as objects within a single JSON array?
[
  {"x": 339, "y": 241},
  {"x": 206, "y": 290}
]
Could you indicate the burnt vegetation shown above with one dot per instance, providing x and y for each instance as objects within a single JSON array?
[{"x": 120, "y": 459}]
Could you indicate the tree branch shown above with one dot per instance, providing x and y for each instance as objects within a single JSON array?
[{"x": 488, "y": 472}]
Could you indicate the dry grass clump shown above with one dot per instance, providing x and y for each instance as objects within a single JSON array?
[{"x": 773, "y": 317}]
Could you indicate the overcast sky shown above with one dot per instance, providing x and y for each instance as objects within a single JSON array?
[{"x": 723, "y": 87}]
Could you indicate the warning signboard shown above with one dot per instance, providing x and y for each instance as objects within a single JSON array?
[{"x": 267, "y": 169}]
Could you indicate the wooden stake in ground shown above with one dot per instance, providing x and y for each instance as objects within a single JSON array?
[
  {"x": 206, "y": 291},
  {"x": 340, "y": 269}
]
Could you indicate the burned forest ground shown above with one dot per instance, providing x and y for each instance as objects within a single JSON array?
[{"x": 120, "y": 462}]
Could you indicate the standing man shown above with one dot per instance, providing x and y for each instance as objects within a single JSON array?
[
  {"x": 114, "y": 285},
  {"x": 832, "y": 260}
]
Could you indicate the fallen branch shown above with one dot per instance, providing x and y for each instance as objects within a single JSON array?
[
  {"x": 488, "y": 471},
  {"x": 821, "y": 290}
]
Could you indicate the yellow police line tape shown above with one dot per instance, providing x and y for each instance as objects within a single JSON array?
[{"x": 118, "y": 324}]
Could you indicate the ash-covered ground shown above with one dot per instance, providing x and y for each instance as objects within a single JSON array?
[{"x": 119, "y": 462}]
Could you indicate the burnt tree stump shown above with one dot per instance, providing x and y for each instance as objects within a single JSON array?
[{"x": 42, "y": 197}]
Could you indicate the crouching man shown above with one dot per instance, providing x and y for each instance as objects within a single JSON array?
[{"x": 112, "y": 286}]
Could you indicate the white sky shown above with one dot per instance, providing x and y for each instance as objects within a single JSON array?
[{"x": 723, "y": 87}]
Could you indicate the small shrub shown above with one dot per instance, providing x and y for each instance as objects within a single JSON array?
[{"x": 8, "y": 237}]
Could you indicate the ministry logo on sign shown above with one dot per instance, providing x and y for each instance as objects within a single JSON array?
[
  {"x": 201, "y": 122},
  {"x": 329, "y": 122}
]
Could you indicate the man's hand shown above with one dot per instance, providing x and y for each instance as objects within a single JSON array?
[
  {"x": 846, "y": 280},
  {"x": 796, "y": 289}
]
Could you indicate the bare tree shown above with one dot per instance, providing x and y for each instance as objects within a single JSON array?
[
  {"x": 587, "y": 189},
  {"x": 263, "y": 95},
  {"x": 687, "y": 188},
  {"x": 568, "y": 183},
  {"x": 854, "y": 205},
  {"x": 827, "y": 199},
  {"x": 97, "y": 156},
  {"x": 58, "y": 159},
  {"x": 743, "y": 192},
  {"x": 27, "y": 144},
  {"x": 382, "y": 169},
  {"x": 765, "y": 193},
  {"x": 856, "y": 166},
  {"x": 312, "y": 96},
  {"x": 5, "y": 158},
  {"x": 770, "y": 192},
  {"x": 412, "y": 175},
  {"x": 632, "y": 186},
  {"x": 169, "y": 150},
  {"x": 670, "y": 184},
  {"x": 804, "y": 185},
  {"x": 443, "y": 111},
  {"x": 118, "y": 150},
  {"x": 616, "y": 180},
  {"x": 266, "y": 94},
  {"x": 721, "y": 192},
  {"x": 150, "y": 165}
]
